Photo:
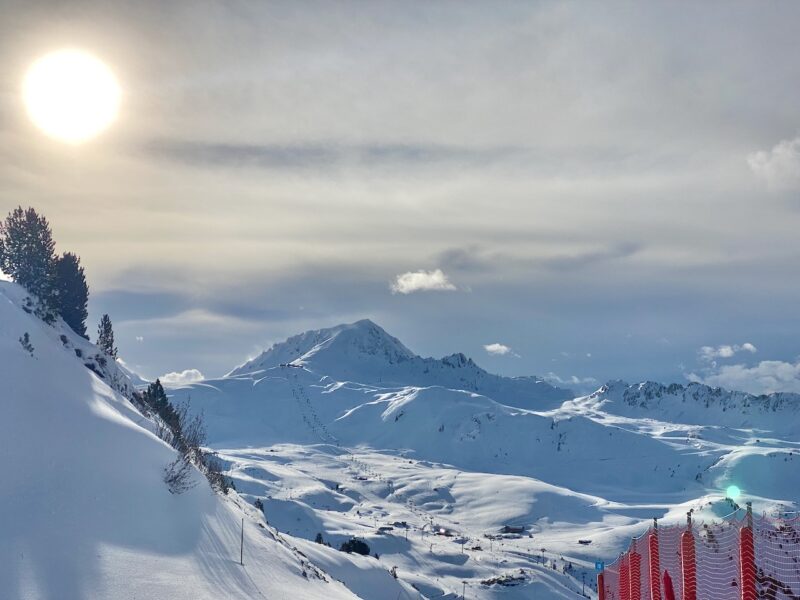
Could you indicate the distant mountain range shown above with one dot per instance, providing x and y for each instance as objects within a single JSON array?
[
  {"x": 336, "y": 424},
  {"x": 363, "y": 352},
  {"x": 356, "y": 384}
]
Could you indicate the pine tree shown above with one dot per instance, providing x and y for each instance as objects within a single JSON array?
[
  {"x": 105, "y": 337},
  {"x": 156, "y": 398},
  {"x": 73, "y": 293},
  {"x": 28, "y": 256}
]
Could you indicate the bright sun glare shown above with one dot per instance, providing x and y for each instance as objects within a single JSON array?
[
  {"x": 733, "y": 492},
  {"x": 71, "y": 95}
]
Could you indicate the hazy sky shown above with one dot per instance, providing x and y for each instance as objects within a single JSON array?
[{"x": 593, "y": 190}]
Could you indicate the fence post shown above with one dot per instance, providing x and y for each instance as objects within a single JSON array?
[
  {"x": 635, "y": 573},
  {"x": 624, "y": 579},
  {"x": 747, "y": 558},
  {"x": 601, "y": 586},
  {"x": 655, "y": 567},
  {"x": 688, "y": 567}
]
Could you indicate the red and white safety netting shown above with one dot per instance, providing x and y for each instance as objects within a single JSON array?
[{"x": 737, "y": 558}]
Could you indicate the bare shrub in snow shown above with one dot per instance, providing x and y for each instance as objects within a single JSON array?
[
  {"x": 184, "y": 431},
  {"x": 191, "y": 433},
  {"x": 25, "y": 342},
  {"x": 212, "y": 469},
  {"x": 164, "y": 432},
  {"x": 178, "y": 475}
]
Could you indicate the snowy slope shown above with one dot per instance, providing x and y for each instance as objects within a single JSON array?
[
  {"x": 84, "y": 512},
  {"x": 342, "y": 430},
  {"x": 754, "y": 440}
]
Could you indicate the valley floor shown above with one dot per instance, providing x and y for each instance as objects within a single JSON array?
[{"x": 439, "y": 526}]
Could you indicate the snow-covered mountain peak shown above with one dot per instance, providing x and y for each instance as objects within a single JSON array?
[
  {"x": 359, "y": 341},
  {"x": 459, "y": 360},
  {"x": 364, "y": 352},
  {"x": 613, "y": 387}
]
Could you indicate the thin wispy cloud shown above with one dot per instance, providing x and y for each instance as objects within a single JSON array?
[
  {"x": 318, "y": 155},
  {"x": 579, "y": 384},
  {"x": 710, "y": 353},
  {"x": 585, "y": 259},
  {"x": 422, "y": 281},
  {"x": 477, "y": 259}
]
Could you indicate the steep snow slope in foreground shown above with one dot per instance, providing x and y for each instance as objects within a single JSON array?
[{"x": 84, "y": 512}]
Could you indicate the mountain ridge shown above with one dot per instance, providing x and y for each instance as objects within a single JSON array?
[{"x": 364, "y": 352}]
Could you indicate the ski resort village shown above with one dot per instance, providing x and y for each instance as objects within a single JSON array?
[{"x": 341, "y": 300}]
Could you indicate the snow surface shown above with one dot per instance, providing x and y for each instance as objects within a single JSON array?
[
  {"x": 341, "y": 431},
  {"x": 84, "y": 512},
  {"x": 346, "y": 432}
]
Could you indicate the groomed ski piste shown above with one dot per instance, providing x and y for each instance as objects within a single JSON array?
[{"x": 461, "y": 482}]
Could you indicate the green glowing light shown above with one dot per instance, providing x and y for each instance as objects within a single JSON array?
[{"x": 733, "y": 492}]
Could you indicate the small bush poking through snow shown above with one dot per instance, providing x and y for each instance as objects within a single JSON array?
[
  {"x": 355, "y": 545},
  {"x": 178, "y": 475},
  {"x": 212, "y": 469},
  {"x": 25, "y": 341}
]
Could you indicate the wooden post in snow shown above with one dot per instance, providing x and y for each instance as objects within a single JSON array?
[{"x": 241, "y": 546}]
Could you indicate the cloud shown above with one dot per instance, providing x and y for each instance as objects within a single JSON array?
[
  {"x": 316, "y": 155},
  {"x": 361, "y": 152},
  {"x": 779, "y": 167},
  {"x": 182, "y": 377},
  {"x": 709, "y": 353},
  {"x": 585, "y": 259},
  {"x": 422, "y": 281},
  {"x": 579, "y": 383},
  {"x": 476, "y": 259},
  {"x": 766, "y": 377},
  {"x": 139, "y": 338},
  {"x": 499, "y": 349}
]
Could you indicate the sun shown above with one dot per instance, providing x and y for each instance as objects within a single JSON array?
[{"x": 71, "y": 95}]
